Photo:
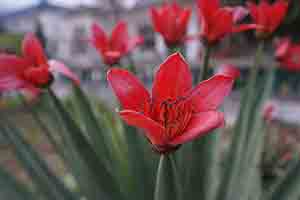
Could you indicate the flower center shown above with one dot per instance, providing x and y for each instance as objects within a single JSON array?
[{"x": 174, "y": 115}]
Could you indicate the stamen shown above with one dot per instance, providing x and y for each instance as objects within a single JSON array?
[{"x": 174, "y": 115}]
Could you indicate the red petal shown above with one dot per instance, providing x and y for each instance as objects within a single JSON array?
[
  {"x": 221, "y": 28},
  {"x": 168, "y": 20},
  {"x": 182, "y": 23},
  {"x": 129, "y": 90},
  {"x": 33, "y": 50},
  {"x": 10, "y": 83},
  {"x": 278, "y": 12},
  {"x": 156, "y": 20},
  {"x": 200, "y": 124},
  {"x": 229, "y": 70},
  {"x": 173, "y": 79},
  {"x": 119, "y": 37},
  {"x": 153, "y": 130},
  {"x": 208, "y": 7},
  {"x": 134, "y": 42},
  {"x": 99, "y": 37},
  {"x": 291, "y": 59},
  {"x": 56, "y": 66},
  {"x": 11, "y": 64},
  {"x": 253, "y": 11},
  {"x": 282, "y": 47},
  {"x": 210, "y": 94}
]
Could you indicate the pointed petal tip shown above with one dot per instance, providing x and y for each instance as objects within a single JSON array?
[
  {"x": 114, "y": 70},
  {"x": 59, "y": 67},
  {"x": 229, "y": 70},
  {"x": 178, "y": 56}
]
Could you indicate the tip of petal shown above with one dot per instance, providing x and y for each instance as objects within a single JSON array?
[
  {"x": 114, "y": 71},
  {"x": 61, "y": 68},
  {"x": 229, "y": 70},
  {"x": 177, "y": 55},
  {"x": 33, "y": 49}
]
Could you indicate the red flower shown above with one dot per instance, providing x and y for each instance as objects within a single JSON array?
[
  {"x": 118, "y": 45},
  {"x": 171, "y": 21},
  {"x": 268, "y": 17},
  {"x": 32, "y": 71},
  {"x": 288, "y": 54},
  {"x": 217, "y": 22},
  {"x": 175, "y": 113}
]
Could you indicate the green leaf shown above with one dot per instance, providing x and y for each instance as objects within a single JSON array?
[
  {"x": 96, "y": 135},
  {"x": 256, "y": 138},
  {"x": 84, "y": 178},
  {"x": 86, "y": 152},
  {"x": 288, "y": 186},
  {"x": 44, "y": 179},
  {"x": 229, "y": 186},
  {"x": 140, "y": 171}
]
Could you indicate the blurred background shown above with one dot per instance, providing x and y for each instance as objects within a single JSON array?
[{"x": 63, "y": 26}]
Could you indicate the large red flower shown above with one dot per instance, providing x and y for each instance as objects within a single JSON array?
[
  {"x": 32, "y": 71},
  {"x": 171, "y": 21},
  {"x": 288, "y": 54},
  {"x": 175, "y": 113},
  {"x": 216, "y": 21},
  {"x": 268, "y": 16},
  {"x": 119, "y": 44}
]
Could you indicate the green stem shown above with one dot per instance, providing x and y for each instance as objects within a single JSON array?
[
  {"x": 205, "y": 65},
  {"x": 167, "y": 181}
]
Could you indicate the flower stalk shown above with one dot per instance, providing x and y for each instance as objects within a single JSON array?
[
  {"x": 167, "y": 180},
  {"x": 205, "y": 63}
]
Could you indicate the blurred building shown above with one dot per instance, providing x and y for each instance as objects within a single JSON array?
[{"x": 64, "y": 27}]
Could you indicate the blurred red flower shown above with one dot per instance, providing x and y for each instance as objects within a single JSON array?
[
  {"x": 113, "y": 48},
  {"x": 171, "y": 21},
  {"x": 288, "y": 54},
  {"x": 175, "y": 113},
  {"x": 216, "y": 21},
  {"x": 268, "y": 16},
  {"x": 32, "y": 71}
]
